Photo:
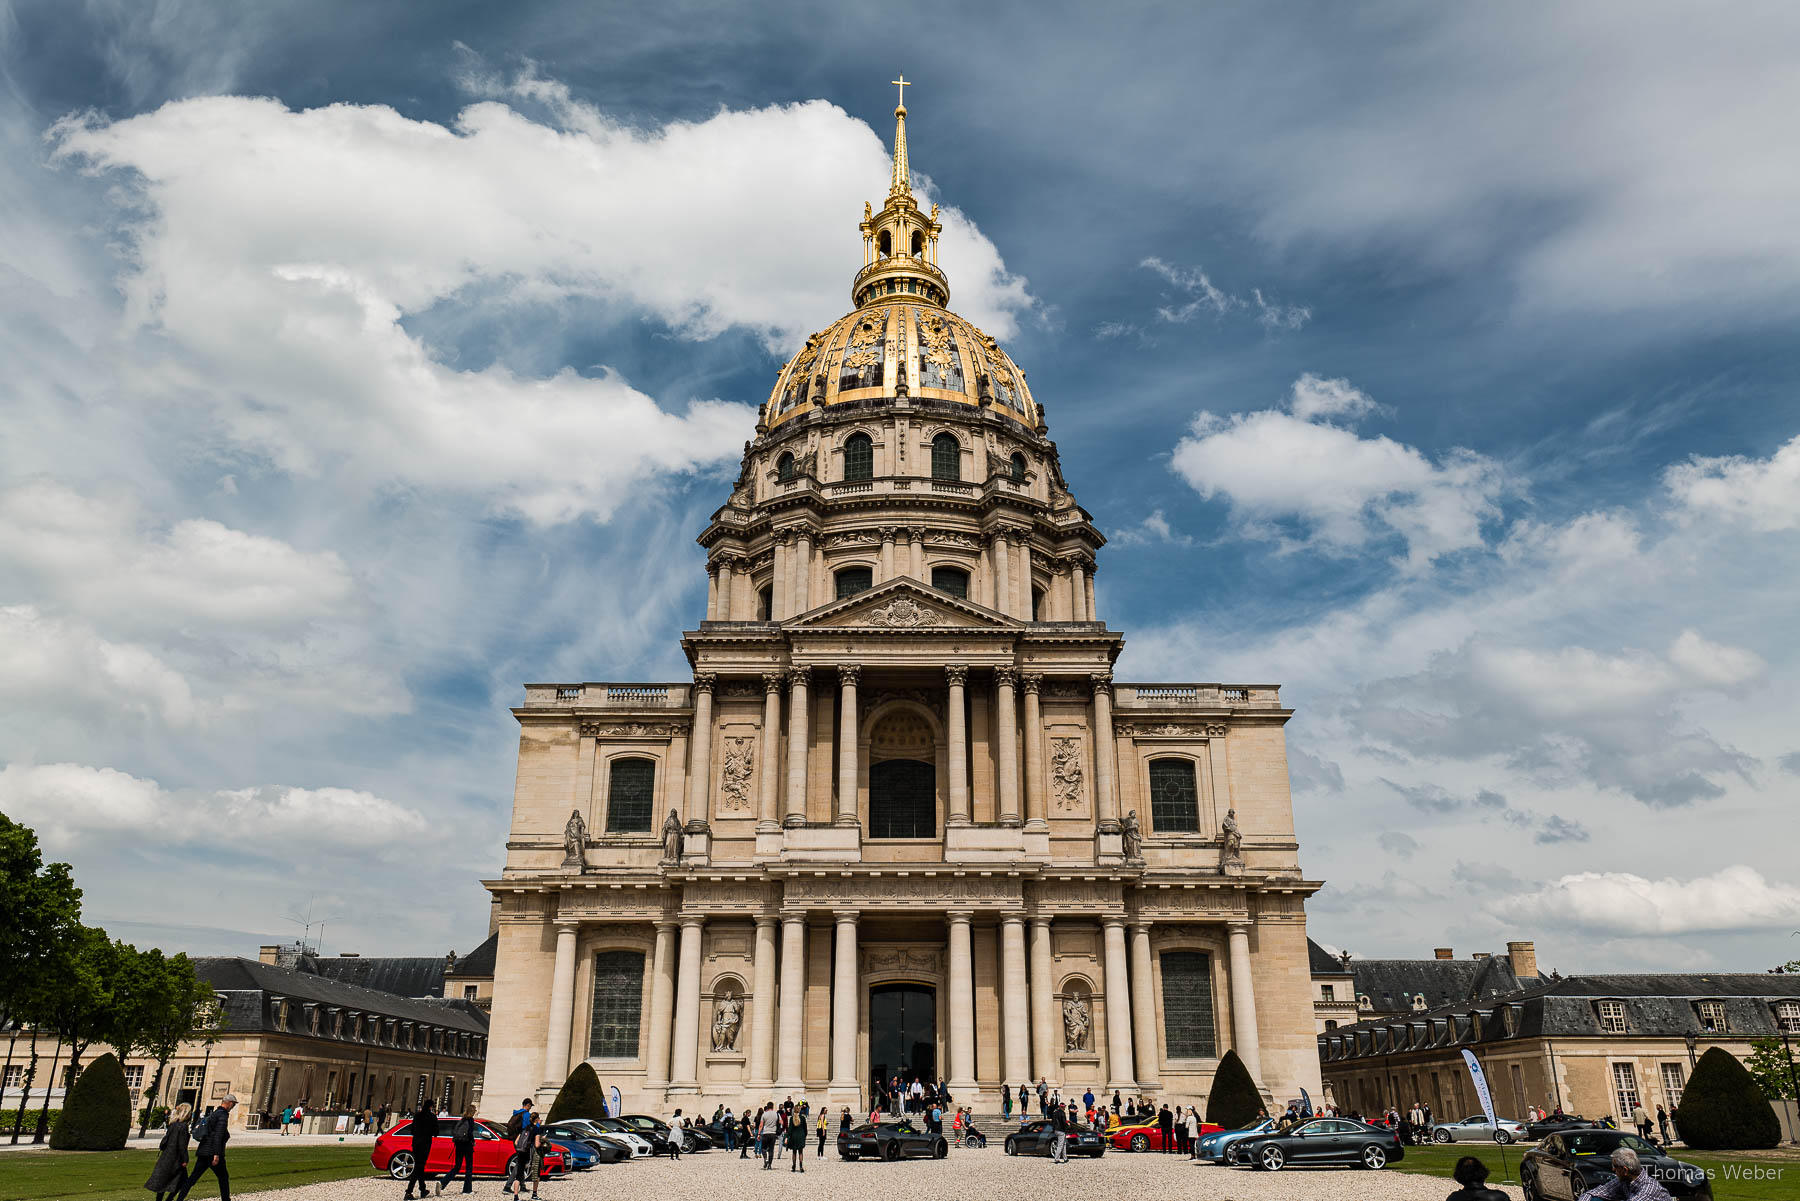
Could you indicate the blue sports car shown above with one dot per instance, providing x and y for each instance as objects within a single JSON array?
[
  {"x": 579, "y": 1156},
  {"x": 1214, "y": 1146}
]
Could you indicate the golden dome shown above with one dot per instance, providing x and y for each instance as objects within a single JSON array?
[{"x": 871, "y": 351}]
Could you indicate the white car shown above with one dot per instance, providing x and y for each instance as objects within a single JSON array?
[
  {"x": 1479, "y": 1130},
  {"x": 615, "y": 1130}
]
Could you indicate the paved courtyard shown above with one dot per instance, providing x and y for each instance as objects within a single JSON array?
[{"x": 965, "y": 1176}]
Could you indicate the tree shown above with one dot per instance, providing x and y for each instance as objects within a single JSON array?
[
  {"x": 579, "y": 1097},
  {"x": 78, "y": 1006},
  {"x": 1772, "y": 1070},
  {"x": 1722, "y": 1109},
  {"x": 1234, "y": 1101},
  {"x": 179, "y": 1008},
  {"x": 40, "y": 911},
  {"x": 96, "y": 1113}
]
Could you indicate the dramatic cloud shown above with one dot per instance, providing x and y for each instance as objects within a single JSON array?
[
  {"x": 1201, "y": 296},
  {"x": 1340, "y": 489},
  {"x": 1762, "y": 493},
  {"x": 1733, "y": 898}
]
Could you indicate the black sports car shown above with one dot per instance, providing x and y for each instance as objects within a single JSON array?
[
  {"x": 891, "y": 1140},
  {"x": 1321, "y": 1141},
  {"x": 1566, "y": 1165},
  {"x": 1036, "y": 1138},
  {"x": 1555, "y": 1124},
  {"x": 647, "y": 1126}
]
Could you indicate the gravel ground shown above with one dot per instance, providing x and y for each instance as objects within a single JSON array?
[{"x": 965, "y": 1176}]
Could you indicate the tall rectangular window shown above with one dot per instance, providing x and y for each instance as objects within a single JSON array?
[
  {"x": 1518, "y": 1083},
  {"x": 1174, "y": 798},
  {"x": 1625, "y": 1090},
  {"x": 630, "y": 793},
  {"x": 1673, "y": 1080},
  {"x": 1187, "y": 996},
  {"x": 618, "y": 1005}
]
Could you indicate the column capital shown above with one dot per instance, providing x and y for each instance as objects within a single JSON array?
[
  {"x": 666, "y": 925},
  {"x": 566, "y": 923},
  {"x": 1110, "y": 920},
  {"x": 916, "y": 533},
  {"x": 803, "y": 533},
  {"x": 1139, "y": 922},
  {"x": 1102, "y": 681},
  {"x": 767, "y": 921},
  {"x": 1006, "y": 677},
  {"x": 693, "y": 919},
  {"x": 1042, "y": 919},
  {"x": 799, "y": 677},
  {"x": 793, "y": 916},
  {"x": 846, "y": 917},
  {"x": 889, "y": 533},
  {"x": 773, "y": 681},
  {"x": 784, "y": 536},
  {"x": 705, "y": 681},
  {"x": 1009, "y": 917},
  {"x": 849, "y": 673},
  {"x": 1032, "y": 681},
  {"x": 959, "y": 917},
  {"x": 957, "y": 675},
  {"x": 1239, "y": 925}
]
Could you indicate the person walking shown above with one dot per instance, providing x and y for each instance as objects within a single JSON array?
[
  {"x": 1662, "y": 1123},
  {"x": 527, "y": 1160},
  {"x": 424, "y": 1128},
  {"x": 1193, "y": 1131},
  {"x": 1006, "y": 1102},
  {"x": 462, "y": 1145},
  {"x": 768, "y": 1130},
  {"x": 209, "y": 1149},
  {"x": 287, "y": 1116},
  {"x": 1059, "y": 1139},
  {"x": 170, "y": 1172},
  {"x": 1165, "y": 1121},
  {"x": 796, "y": 1141},
  {"x": 1640, "y": 1117},
  {"x": 824, "y": 1126}
]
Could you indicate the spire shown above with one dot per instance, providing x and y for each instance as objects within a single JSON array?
[{"x": 901, "y": 184}]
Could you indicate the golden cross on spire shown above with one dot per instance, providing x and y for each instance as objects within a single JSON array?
[{"x": 901, "y": 83}]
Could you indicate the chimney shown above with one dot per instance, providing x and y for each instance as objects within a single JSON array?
[
  {"x": 1524, "y": 959},
  {"x": 267, "y": 954},
  {"x": 1444, "y": 953},
  {"x": 1482, "y": 955},
  {"x": 349, "y": 954}
]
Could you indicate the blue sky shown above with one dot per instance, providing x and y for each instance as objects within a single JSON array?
[{"x": 364, "y": 361}]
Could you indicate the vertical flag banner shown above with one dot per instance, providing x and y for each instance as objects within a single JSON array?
[
  {"x": 613, "y": 1108},
  {"x": 1481, "y": 1085}
]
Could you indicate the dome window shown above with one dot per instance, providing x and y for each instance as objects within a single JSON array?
[
  {"x": 918, "y": 244},
  {"x": 1018, "y": 468},
  {"x": 784, "y": 468},
  {"x": 852, "y": 580},
  {"x": 765, "y": 601},
  {"x": 953, "y": 580},
  {"x": 885, "y": 244},
  {"x": 946, "y": 458},
  {"x": 859, "y": 457}
]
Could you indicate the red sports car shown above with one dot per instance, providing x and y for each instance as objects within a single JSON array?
[
  {"x": 393, "y": 1152},
  {"x": 1146, "y": 1136}
]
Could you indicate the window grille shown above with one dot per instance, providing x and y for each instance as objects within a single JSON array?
[
  {"x": 953, "y": 580},
  {"x": 852, "y": 580},
  {"x": 784, "y": 468},
  {"x": 1188, "y": 1005},
  {"x": 618, "y": 1005},
  {"x": 1712, "y": 1016},
  {"x": 1018, "y": 469},
  {"x": 1787, "y": 1016},
  {"x": 191, "y": 1075},
  {"x": 630, "y": 794},
  {"x": 902, "y": 799},
  {"x": 1674, "y": 1079},
  {"x": 859, "y": 457},
  {"x": 1174, "y": 798},
  {"x": 1612, "y": 1016},
  {"x": 1625, "y": 1090},
  {"x": 946, "y": 458}
]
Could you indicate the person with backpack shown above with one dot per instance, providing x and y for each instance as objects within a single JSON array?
[
  {"x": 527, "y": 1147},
  {"x": 209, "y": 1148},
  {"x": 767, "y": 1131},
  {"x": 462, "y": 1142},
  {"x": 424, "y": 1128}
]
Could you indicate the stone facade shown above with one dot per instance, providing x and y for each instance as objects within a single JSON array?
[{"x": 902, "y": 779}]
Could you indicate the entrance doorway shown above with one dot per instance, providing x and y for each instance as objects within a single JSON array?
[{"x": 902, "y": 1035}]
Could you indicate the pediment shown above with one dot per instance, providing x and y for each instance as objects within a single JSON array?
[{"x": 902, "y": 604}]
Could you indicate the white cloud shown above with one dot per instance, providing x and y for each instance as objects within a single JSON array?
[
  {"x": 52, "y": 663},
  {"x": 1733, "y": 898},
  {"x": 1203, "y": 296},
  {"x": 1712, "y": 665},
  {"x": 1153, "y": 529},
  {"x": 1762, "y": 493},
  {"x": 70, "y": 804},
  {"x": 1344, "y": 489}
]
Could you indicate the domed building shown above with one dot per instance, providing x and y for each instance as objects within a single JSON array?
[{"x": 901, "y": 823}]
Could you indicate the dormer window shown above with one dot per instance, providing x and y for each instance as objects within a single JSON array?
[
  {"x": 1510, "y": 1018},
  {"x": 1363, "y": 1002},
  {"x": 1711, "y": 1015},
  {"x": 1418, "y": 1001},
  {"x": 1611, "y": 1015},
  {"x": 1787, "y": 1016}
]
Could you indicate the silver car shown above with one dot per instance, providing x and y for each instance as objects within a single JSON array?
[{"x": 1478, "y": 1130}]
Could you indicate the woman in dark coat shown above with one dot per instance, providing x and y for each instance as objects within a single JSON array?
[
  {"x": 796, "y": 1140},
  {"x": 170, "y": 1172}
]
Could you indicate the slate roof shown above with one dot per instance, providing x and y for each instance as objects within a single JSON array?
[
  {"x": 480, "y": 961},
  {"x": 1323, "y": 962},
  {"x": 403, "y": 976},
  {"x": 1391, "y": 984},
  {"x": 246, "y": 985}
]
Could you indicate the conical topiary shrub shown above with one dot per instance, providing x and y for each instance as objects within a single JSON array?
[
  {"x": 96, "y": 1114},
  {"x": 1722, "y": 1109},
  {"x": 579, "y": 1097},
  {"x": 1234, "y": 1101}
]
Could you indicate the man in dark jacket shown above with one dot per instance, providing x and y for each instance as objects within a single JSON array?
[
  {"x": 424, "y": 1128},
  {"x": 462, "y": 1142},
  {"x": 209, "y": 1148},
  {"x": 1165, "y": 1121}
]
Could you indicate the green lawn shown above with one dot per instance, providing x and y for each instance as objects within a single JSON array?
[
  {"x": 120, "y": 1175},
  {"x": 1439, "y": 1160}
]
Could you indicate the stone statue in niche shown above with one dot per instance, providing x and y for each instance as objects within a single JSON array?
[
  {"x": 734, "y": 778},
  {"x": 728, "y": 1018},
  {"x": 1231, "y": 843},
  {"x": 1133, "y": 836},
  {"x": 671, "y": 835},
  {"x": 575, "y": 842},
  {"x": 1076, "y": 1023},
  {"x": 1065, "y": 772}
]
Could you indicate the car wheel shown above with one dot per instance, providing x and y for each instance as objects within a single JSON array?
[
  {"x": 1502, "y": 1137},
  {"x": 1012, "y": 1147},
  {"x": 1440, "y": 1136},
  {"x": 893, "y": 1152},
  {"x": 1140, "y": 1142},
  {"x": 942, "y": 1151},
  {"x": 1271, "y": 1159},
  {"x": 400, "y": 1166},
  {"x": 1374, "y": 1158},
  {"x": 1528, "y": 1183}
]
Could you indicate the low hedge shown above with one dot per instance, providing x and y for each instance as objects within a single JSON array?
[{"x": 9, "y": 1116}]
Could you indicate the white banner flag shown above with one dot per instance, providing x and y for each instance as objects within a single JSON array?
[{"x": 1481, "y": 1087}]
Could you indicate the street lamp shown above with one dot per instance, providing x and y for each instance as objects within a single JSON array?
[{"x": 1692, "y": 1042}]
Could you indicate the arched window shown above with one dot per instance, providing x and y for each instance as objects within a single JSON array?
[
  {"x": 1018, "y": 468},
  {"x": 765, "y": 601},
  {"x": 630, "y": 793},
  {"x": 953, "y": 580},
  {"x": 784, "y": 467},
  {"x": 852, "y": 580},
  {"x": 1174, "y": 801},
  {"x": 946, "y": 458},
  {"x": 884, "y": 246},
  {"x": 918, "y": 244},
  {"x": 859, "y": 457},
  {"x": 1037, "y": 604}
]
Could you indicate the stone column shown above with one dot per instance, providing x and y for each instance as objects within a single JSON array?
[
  {"x": 683, "y": 1077},
  {"x": 1046, "y": 1022},
  {"x": 844, "y": 1008},
  {"x": 793, "y": 1000},
  {"x": 962, "y": 1005},
  {"x": 1015, "y": 1002},
  {"x": 803, "y": 572},
  {"x": 762, "y": 1011},
  {"x": 712, "y": 592},
  {"x": 797, "y": 747},
  {"x": 1106, "y": 784},
  {"x": 848, "y": 674},
  {"x": 983, "y": 584},
  {"x": 1088, "y": 584},
  {"x": 562, "y": 1006},
  {"x": 1243, "y": 1002},
  {"x": 768, "y": 796},
  {"x": 1077, "y": 591},
  {"x": 1035, "y": 809},
  {"x": 727, "y": 584},
  {"x": 916, "y": 535},
  {"x": 1143, "y": 1008},
  {"x": 888, "y": 534},
  {"x": 1118, "y": 1008},
  {"x": 699, "y": 783},
  {"x": 1006, "y": 722},
  {"x": 959, "y": 749},
  {"x": 778, "y": 578},
  {"x": 662, "y": 1009},
  {"x": 1022, "y": 572},
  {"x": 998, "y": 556}
]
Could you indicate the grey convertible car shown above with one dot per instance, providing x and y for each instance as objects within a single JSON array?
[
  {"x": 1479, "y": 1130},
  {"x": 891, "y": 1140}
]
